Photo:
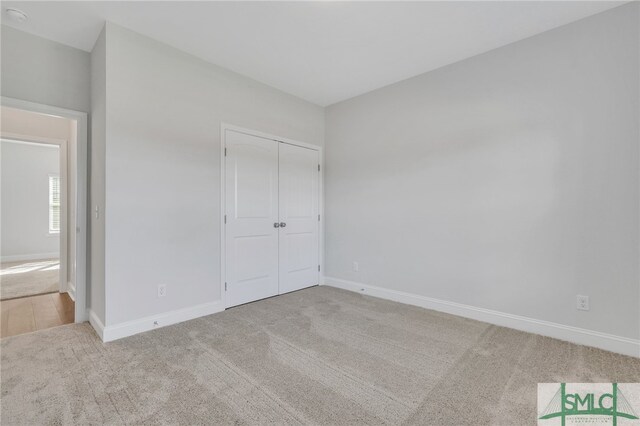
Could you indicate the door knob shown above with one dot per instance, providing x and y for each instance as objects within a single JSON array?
[
  {"x": 276, "y": 225},
  {"x": 282, "y": 224}
]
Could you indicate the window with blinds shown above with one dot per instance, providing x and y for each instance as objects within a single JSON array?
[{"x": 54, "y": 204}]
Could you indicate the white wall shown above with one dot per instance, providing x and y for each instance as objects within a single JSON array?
[
  {"x": 24, "y": 177},
  {"x": 96, "y": 291},
  {"x": 508, "y": 181},
  {"x": 164, "y": 109},
  {"x": 39, "y": 70}
]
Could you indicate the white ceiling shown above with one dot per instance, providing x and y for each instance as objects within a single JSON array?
[{"x": 321, "y": 51}]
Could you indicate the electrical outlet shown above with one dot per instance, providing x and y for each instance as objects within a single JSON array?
[
  {"x": 356, "y": 267},
  {"x": 583, "y": 303},
  {"x": 162, "y": 290}
]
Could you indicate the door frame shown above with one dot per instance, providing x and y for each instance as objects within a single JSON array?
[
  {"x": 80, "y": 203},
  {"x": 223, "y": 238}
]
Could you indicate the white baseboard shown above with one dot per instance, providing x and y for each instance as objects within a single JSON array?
[
  {"x": 129, "y": 328},
  {"x": 96, "y": 323},
  {"x": 581, "y": 336},
  {"x": 71, "y": 290},
  {"x": 23, "y": 257}
]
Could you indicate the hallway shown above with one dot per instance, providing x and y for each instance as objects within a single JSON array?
[{"x": 27, "y": 314}]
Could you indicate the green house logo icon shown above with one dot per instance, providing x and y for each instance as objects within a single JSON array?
[{"x": 613, "y": 404}]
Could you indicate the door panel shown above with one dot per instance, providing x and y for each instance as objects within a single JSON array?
[
  {"x": 299, "y": 192},
  {"x": 251, "y": 190}
]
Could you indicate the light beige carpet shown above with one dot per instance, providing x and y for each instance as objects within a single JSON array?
[
  {"x": 317, "y": 356},
  {"x": 28, "y": 278}
]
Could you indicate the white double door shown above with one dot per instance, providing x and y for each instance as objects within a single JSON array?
[{"x": 272, "y": 218}]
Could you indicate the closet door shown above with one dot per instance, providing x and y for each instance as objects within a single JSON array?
[
  {"x": 299, "y": 222},
  {"x": 251, "y": 191}
]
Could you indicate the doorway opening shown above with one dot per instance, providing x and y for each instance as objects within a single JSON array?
[{"x": 39, "y": 221}]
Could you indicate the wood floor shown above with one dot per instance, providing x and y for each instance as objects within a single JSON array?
[{"x": 27, "y": 314}]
